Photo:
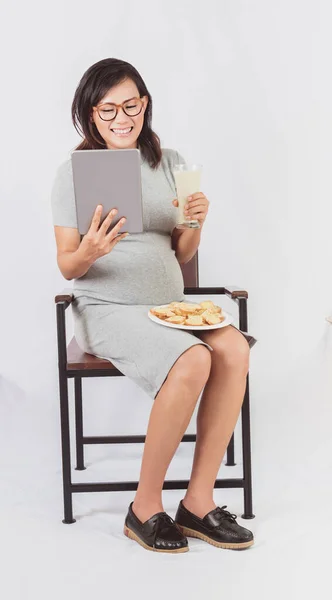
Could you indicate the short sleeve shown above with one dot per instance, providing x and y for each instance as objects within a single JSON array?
[
  {"x": 63, "y": 197},
  {"x": 179, "y": 158},
  {"x": 172, "y": 157}
]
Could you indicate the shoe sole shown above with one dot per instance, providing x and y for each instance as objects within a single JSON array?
[
  {"x": 228, "y": 545},
  {"x": 130, "y": 534}
]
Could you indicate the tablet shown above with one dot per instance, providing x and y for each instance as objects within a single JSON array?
[{"x": 111, "y": 178}]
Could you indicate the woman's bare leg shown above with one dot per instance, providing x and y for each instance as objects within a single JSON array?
[
  {"x": 217, "y": 415},
  {"x": 169, "y": 419}
]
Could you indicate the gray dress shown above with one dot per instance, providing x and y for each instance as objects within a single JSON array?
[{"x": 113, "y": 298}]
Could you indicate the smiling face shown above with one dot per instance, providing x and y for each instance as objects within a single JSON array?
[{"x": 117, "y": 95}]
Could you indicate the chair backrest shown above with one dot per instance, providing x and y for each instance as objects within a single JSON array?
[{"x": 190, "y": 272}]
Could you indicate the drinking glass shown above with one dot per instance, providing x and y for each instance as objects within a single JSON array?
[{"x": 187, "y": 181}]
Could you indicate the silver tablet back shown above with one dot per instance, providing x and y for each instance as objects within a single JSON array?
[{"x": 111, "y": 178}]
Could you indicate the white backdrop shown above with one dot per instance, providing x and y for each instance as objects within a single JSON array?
[{"x": 245, "y": 89}]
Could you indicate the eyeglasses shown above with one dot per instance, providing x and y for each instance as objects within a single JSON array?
[{"x": 108, "y": 110}]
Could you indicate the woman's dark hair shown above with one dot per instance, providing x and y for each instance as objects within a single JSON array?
[{"x": 94, "y": 84}]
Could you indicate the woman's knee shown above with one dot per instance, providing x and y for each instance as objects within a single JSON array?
[
  {"x": 194, "y": 364},
  {"x": 236, "y": 353}
]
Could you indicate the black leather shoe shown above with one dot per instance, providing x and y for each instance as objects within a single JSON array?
[
  {"x": 218, "y": 527},
  {"x": 159, "y": 533}
]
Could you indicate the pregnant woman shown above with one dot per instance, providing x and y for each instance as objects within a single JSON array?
[{"x": 117, "y": 279}]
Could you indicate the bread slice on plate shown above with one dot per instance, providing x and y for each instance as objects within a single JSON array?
[
  {"x": 211, "y": 318},
  {"x": 209, "y": 305},
  {"x": 187, "y": 309},
  {"x": 194, "y": 320},
  {"x": 162, "y": 313},
  {"x": 177, "y": 319}
]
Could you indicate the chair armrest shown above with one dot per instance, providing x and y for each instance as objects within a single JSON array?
[
  {"x": 235, "y": 292},
  {"x": 231, "y": 291},
  {"x": 62, "y": 302},
  {"x": 66, "y": 295}
]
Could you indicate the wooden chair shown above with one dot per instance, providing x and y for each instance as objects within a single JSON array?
[{"x": 75, "y": 364}]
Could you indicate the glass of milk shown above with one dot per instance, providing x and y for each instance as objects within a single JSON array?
[{"x": 187, "y": 181}]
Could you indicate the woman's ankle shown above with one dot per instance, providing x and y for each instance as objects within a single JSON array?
[
  {"x": 145, "y": 510},
  {"x": 146, "y": 507},
  {"x": 199, "y": 504}
]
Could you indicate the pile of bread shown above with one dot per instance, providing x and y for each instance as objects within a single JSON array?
[{"x": 187, "y": 313}]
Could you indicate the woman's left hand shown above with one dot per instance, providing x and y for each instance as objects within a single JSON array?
[{"x": 196, "y": 208}]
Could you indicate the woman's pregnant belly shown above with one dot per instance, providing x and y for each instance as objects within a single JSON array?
[{"x": 141, "y": 269}]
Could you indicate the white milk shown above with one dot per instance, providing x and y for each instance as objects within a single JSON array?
[{"x": 187, "y": 183}]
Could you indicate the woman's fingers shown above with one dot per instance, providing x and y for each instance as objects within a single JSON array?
[
  {"x": 199, "y": 216},
  {"x": 96, "y": 218},
  {"x": 118, "y": 238},
  {"x": 108, "y": 220},
  {"x": 115, "y": 230},
  {"x": 113, "y": 241}
]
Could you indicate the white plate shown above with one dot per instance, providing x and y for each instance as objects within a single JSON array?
[{"x": 227, "y": 321}]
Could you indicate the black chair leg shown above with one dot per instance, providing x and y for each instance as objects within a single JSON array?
[
  {"x": 230, "y": 453},
  {"x": 79, "y": 425},
  {"x": 65, "y": 447},
  {"x": 246, "y": 453}
]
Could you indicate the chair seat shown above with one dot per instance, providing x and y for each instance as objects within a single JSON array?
[{"x": 77, "y": 359}]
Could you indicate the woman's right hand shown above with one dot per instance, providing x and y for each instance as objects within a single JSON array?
[{"x": 96, "y": 242}]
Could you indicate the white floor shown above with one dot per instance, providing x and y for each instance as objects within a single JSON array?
[{"x": 43, "y": 558}]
